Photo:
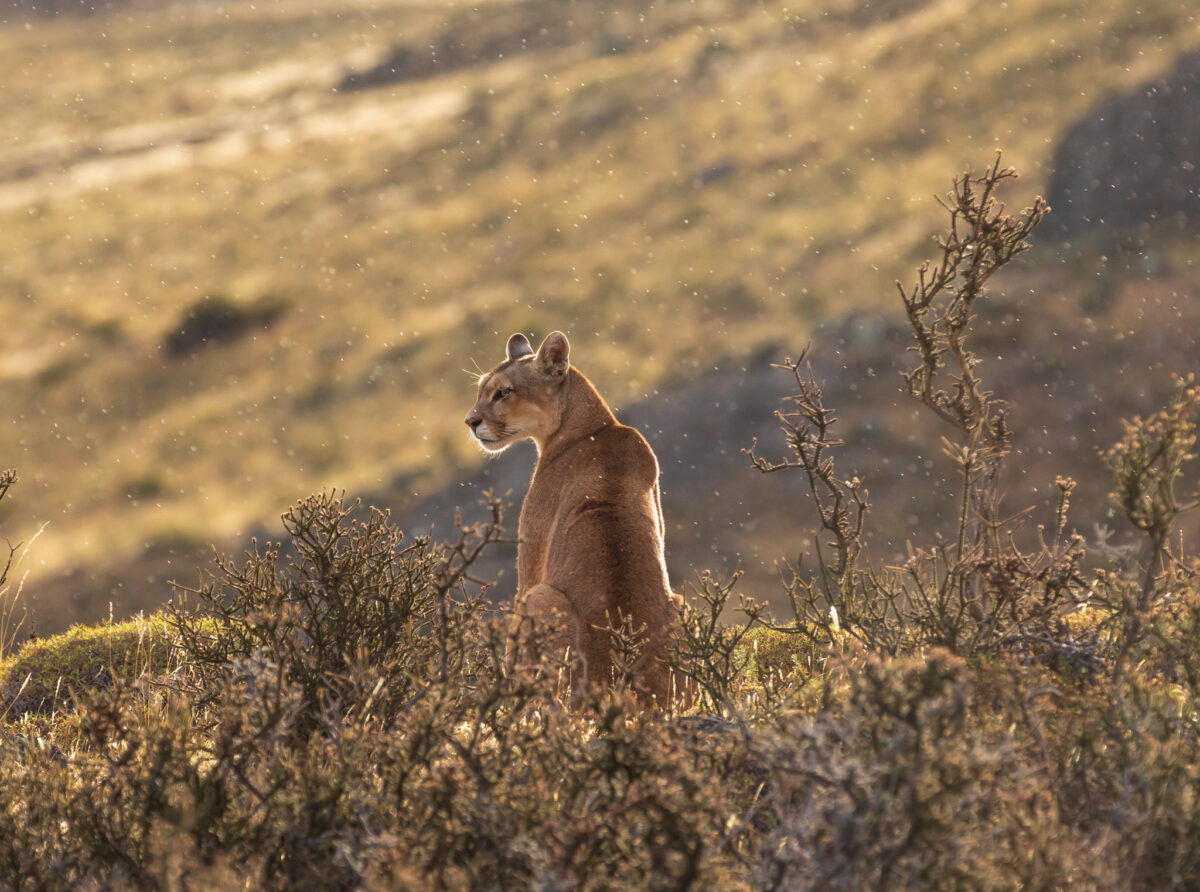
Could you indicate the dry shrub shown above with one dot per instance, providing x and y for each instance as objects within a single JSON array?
[
  {"x": 347, "y": 718},
  {"x": 1000, "y": 711},
  {"x": 1068, "y": 755}
]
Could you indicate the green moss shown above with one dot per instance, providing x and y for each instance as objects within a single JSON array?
[{"x": 43, "y": 675}]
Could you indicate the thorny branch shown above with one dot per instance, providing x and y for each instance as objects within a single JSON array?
[
  {"x": 977, "y": 588},
  {"x": 841, "y": 505}
]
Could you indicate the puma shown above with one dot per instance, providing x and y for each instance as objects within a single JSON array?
[{"x": 590, "y": 551}]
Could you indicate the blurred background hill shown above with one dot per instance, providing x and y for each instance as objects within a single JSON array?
[{"x": 252, "y": 251}]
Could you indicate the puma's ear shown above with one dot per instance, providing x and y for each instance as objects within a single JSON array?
[
  {"x": 518, "y": 346},
  {"x": 554, "y": 353}
]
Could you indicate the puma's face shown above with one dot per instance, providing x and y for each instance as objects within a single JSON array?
[
  {"x": 510, "y": 407},
  {"x": 520, "y": 397}
]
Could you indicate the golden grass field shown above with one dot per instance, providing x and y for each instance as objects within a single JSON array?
[{"x": 676, "y": 187}]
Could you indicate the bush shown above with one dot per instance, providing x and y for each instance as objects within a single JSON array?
[
  {"x": 348, "y": 719},
  {"x": 215, "y": 319},
  {"x": 989, "y": 715},
  {"x": 1100, "y": 790},
  {"x": 352, "y": 598}
]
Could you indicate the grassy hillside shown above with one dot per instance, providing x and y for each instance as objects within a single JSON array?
[{"x": 372, "y": 196}]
